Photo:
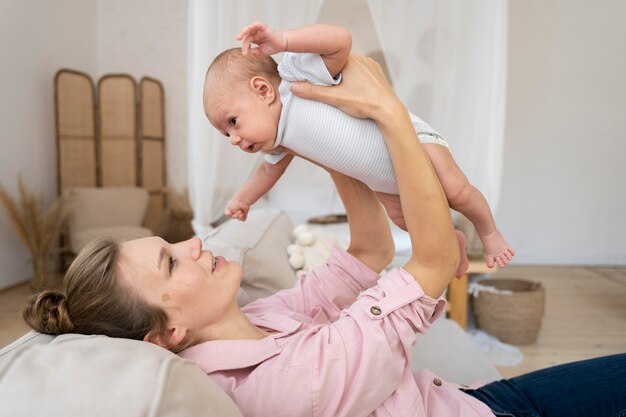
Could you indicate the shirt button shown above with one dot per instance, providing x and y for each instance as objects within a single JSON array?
[
  {"x": 437, "y": 382},
  {"x": 375, "y": 311}
]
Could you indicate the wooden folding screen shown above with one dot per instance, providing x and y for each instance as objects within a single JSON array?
[
  {"x": 117, "y": 127},
  {"x": 113, "y": 138},
  {"x": 152, "y": 150},
  {"x": 76, "y": 130}
]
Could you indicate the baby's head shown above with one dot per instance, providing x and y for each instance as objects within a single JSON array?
[{"x": 241, "y": 99}]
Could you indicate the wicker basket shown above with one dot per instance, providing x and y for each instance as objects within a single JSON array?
[{"x": 511, "y": 311}]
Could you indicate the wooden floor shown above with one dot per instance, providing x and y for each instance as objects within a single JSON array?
[{"x": 585, "y": 314}]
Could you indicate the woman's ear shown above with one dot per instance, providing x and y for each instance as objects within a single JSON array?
[
  {"x": 263, "y": 88},
  {"x": 168, "y": 338}
]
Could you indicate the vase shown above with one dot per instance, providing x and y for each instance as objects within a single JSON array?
[{"x": 41, "y": 273}]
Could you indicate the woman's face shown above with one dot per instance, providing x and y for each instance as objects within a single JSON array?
[{"x": 195, "y": 288}]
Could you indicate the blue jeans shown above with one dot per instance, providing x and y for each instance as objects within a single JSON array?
[{"x": 589, "y": 388}]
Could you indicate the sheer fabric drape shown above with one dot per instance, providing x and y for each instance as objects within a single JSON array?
[{"x": 447, "y": 61}]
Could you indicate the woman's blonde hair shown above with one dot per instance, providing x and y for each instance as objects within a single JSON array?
[{"x": 96, "y": 300}]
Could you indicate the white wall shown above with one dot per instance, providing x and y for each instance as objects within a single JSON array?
[
  {"x": 149, "y": 38},
  {"x": 563, "y": 198},
  {"x": 37, "y": 38}
]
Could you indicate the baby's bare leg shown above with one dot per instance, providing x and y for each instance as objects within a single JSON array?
[
  {"x": 467, "y": 199},
  {"x": 392, "y": 205}
]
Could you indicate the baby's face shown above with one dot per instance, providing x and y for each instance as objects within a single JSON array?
[{"x": 243, "y": 117}]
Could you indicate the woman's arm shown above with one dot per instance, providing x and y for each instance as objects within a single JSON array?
[
  {"x": 364, "y": 92},
  {"x": 370, "y": 237}
]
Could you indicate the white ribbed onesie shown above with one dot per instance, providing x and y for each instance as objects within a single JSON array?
[{"x": 325, "y": 134}]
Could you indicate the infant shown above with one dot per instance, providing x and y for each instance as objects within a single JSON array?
[{"x": 247, "y": 97}]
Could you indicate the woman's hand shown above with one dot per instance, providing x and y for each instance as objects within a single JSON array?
[
  {"x": 270, "y": 41},
  {"x": 364, "y": 91}
]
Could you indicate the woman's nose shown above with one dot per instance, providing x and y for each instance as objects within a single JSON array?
[{"x": 195, "y": 248}]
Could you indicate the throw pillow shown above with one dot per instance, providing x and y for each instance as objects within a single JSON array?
[{"x": 259, "y": 244}]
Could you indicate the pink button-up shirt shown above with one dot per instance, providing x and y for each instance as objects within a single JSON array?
[{"x": 336, "y": 353}]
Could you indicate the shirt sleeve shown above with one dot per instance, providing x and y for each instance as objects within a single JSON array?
[
  {"x": 354, "y": 366},
  {"x": 306, "y": 67},
  {"x": 330, "y": 287},
  {"x": 371, "y": 346}
]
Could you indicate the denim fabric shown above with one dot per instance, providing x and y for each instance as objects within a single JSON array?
[{"x": 590, "y": 388}]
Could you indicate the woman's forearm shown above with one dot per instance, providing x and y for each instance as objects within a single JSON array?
[
  {"x": 435, "y": 251},
  {"x": 370, "y": 236}
]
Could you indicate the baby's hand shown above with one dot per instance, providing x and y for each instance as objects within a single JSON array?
[
  {"x": 270, "y": 41},
  {"x": 237, "y": 209}
]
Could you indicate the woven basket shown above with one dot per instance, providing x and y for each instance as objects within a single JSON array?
[{"x": 514, "y": 317}]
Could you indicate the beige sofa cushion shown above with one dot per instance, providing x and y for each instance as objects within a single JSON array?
[
  {"x": 108, "y": 206},
  {"x": 76, "y": 375},
  {"x": 259, "y": 244},
  {"x": 113, "y": 212}
]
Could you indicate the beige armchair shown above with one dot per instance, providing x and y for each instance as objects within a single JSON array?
[{"x": 111, "y": 212}]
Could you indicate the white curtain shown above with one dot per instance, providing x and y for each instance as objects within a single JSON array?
[
  {"x": 446, "y": 60},
  {"x": 217, "y": 169}
]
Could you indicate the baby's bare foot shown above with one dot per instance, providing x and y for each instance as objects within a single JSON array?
[
  {"x": 497, "y": 249},
  {"x": 464, "y": 262}
]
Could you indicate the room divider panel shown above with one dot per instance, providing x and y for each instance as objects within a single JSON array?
[
  {"x": 152, "y": 150},
  {"x": 76, "y": 130},
  {"x": 117, "y": 128}
]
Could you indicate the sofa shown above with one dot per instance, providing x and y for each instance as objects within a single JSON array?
[{"x": 75, "y": 375}]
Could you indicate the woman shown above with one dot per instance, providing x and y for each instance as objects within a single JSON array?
[{"x": 320, "y": 348}]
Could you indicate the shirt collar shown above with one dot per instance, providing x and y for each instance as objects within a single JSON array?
[{"x": 223, "y": 355}]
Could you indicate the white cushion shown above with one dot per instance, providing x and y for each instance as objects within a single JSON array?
[
  {"x": 76, "y": 375},
  {"x": 259, "y": 244}
]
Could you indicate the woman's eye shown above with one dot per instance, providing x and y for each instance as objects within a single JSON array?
[
  {"x": 172, "y": 263},
  {"x": 232, "y": 121}
]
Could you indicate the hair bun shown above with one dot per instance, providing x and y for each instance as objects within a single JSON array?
[{"x": 48, "y": 313}]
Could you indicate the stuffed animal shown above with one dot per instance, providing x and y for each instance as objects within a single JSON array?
[{"x": 311, "y": 248}]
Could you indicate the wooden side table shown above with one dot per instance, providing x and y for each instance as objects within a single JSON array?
[{"x": 457, "y": 292}]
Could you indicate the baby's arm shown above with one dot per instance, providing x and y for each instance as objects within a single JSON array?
[
  {"x": 333, "y": 43},
  {"x": 261, "y": 181}
]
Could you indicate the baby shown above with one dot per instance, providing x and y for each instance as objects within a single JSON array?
[{"x": 247, "y": 97}]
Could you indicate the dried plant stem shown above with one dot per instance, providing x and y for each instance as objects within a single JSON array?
[{"x": 37, "y": 228}]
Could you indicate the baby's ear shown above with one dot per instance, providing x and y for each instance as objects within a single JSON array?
[{"x": 263, "y": 88}]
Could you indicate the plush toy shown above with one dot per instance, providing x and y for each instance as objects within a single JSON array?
[{"x": 311, "y": 248}]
